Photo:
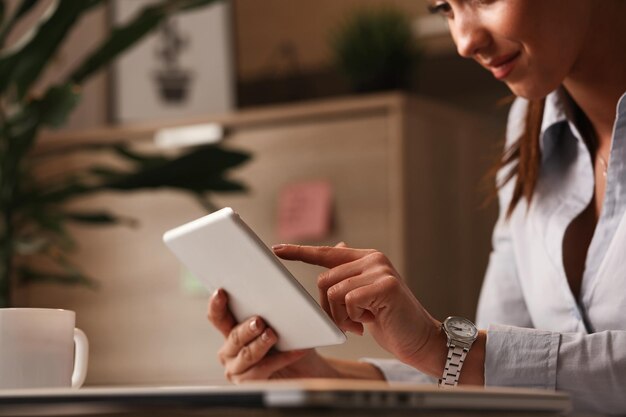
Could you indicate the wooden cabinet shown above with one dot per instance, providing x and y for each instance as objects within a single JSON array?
[{"x": 404, "y": 173}]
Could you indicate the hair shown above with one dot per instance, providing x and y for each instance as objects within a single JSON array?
[{"x": 523, "y": 158}]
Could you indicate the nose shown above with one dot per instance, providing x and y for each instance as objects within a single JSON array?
[{"x": 470, "y": 36}]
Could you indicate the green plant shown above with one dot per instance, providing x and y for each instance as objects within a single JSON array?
[
  {"x": 376, "y": 49},
  {"x": 33, "y": 209}
]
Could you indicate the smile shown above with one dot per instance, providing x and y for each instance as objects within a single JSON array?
[{"x": 502, "y": 67}]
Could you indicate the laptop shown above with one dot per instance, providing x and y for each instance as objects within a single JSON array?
[{"x": 288, "y": 394}]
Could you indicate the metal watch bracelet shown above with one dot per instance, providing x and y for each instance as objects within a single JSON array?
[{"x": 454, "y": 363}]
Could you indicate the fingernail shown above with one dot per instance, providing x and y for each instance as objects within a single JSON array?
[
  {"x": 254, "y": 325},
  {"x": 265, "y": 336},
  {"x": 217, "y": 295},
  {"x": 279, "y": 247}
]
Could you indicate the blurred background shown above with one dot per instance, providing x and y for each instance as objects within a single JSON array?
[{"x": 319, "y": 121}]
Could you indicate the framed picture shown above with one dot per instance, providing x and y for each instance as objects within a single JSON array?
[{"x": 182, "y": 70}]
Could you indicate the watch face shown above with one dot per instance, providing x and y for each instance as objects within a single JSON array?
[{"x": 461, "y": 328}]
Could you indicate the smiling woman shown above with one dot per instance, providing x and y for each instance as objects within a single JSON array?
[{"x": 551, "y": 308}]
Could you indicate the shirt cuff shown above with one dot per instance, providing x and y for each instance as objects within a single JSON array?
[
  {"x": 395, "y": 371},
  {"x": 521, "y": 357}
]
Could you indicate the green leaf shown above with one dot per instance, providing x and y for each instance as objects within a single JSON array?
[
  {"x": 24, "y": 7},
  {"x": 46, "y": 219},
  {"x": 123, "y": 37},
  {"x": 20, "y": 133},
  {"x": 144, "y": 159},
  {"x": 21, "y": 65},
  {"x": 198, "y": 170},
  {"x": 57, "y": 104},
  {"x": 2, "y": 11},
  {"x": 101, "y": 218},
  {"x": 71, "y": 188}
]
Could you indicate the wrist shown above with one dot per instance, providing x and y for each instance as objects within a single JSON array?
[
  {"x": 431, "y": 359},
  {"x": 473, "y": 372},
  {"x": 355, "y": 370}
]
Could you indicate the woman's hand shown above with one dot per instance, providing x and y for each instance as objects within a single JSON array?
[
  {"x": 361, "y": 287},
  {"x": 247, "y": 352}
]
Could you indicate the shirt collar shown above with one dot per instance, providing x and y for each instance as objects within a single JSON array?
[
  {"x": 559, "y": 108},
  {"x": 621, "y": 107}
]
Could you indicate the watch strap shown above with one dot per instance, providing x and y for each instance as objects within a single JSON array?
[{"x": 454, "y": 363}]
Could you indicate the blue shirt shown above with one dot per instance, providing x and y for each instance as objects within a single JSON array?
[{"x": 539, "y": 335}]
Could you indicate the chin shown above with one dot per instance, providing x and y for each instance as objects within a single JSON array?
[
  {"x": 529, "y": 93},
  {"x": 532, "y": 89}
]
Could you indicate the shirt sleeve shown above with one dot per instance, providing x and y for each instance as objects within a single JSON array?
[{"x": 591, "y": 367}]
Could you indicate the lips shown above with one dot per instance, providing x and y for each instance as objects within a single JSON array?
[{"x": 502, "y": 66}]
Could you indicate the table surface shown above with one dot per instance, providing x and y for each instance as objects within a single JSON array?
[{"x": 284, "y": 398}]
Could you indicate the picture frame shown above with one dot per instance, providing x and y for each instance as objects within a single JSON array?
[{"x": 184, "y": 70}]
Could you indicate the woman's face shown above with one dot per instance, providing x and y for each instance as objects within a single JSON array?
[{"x": 531, "y": 45}]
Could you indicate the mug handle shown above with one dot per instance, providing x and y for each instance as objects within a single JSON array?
[{"x": 81, "y": 354}]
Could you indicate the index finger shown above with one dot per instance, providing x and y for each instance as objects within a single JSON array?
[{"x": 326, "y": 256}]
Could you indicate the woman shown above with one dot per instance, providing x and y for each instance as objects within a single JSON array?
[{"x": 553, "y": 304}]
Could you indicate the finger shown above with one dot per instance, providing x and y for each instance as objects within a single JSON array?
[
  {"x": 374, "y": 261},
  {"x": 252, "y": 353},
  {"x": 364, "y": 304},
  {"x": 269, "y": 366},
  {"x": 219, "y": 314},
  {"x": 240, "y": 336},
  {"x": 338, "y": 304},
  {"x": 332, "y": 276},
  {"x": 326, "y": 256}
]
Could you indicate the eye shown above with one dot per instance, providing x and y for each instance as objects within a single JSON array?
[{"x": 442, "y": 8}]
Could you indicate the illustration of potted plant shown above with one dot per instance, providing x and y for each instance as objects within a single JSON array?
[{"x": 173, "y": 82}]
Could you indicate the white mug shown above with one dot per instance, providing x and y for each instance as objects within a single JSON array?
[{"x": 41, "y": 348}]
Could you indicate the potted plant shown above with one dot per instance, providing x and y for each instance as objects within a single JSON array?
[
  {"x": 375, "y": 49},
  {"x": 33, "y": 214}
]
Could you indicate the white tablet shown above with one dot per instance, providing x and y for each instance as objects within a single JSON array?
[{"x": 223, "y": 252}]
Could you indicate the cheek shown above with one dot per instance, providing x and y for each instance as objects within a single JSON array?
[
  {"x": 545, "y": 65},
  {"x": 550, "y": 51},
  {"x": 541, "y": 72}
]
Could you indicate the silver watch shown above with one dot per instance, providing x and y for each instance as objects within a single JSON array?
[{"x": 461, "y": 334}]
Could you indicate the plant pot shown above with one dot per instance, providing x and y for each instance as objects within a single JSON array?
[{"x": 173, "y": 85}]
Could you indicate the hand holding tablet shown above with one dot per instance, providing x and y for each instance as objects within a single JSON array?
[{"x": 223, "y": 252}]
